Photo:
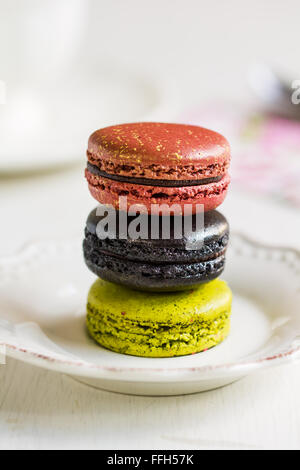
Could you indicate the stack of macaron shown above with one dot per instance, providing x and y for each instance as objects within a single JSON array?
[{"x": 155, "y": 241}]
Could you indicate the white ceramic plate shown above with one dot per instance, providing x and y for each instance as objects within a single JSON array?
[
  {"x": 42, "y": 321},
  {"x": 44, "y": 126}
]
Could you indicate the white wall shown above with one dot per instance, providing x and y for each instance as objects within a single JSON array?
[{"x": 207, "y": 45}]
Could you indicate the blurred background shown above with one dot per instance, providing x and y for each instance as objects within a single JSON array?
[{"x": 68, "y": 67}]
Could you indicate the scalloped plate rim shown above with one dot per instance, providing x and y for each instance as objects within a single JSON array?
[{"x": 86, "y": 369}]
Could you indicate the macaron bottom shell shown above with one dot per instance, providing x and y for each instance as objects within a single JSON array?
[
  {"x": 159, "y": 325},
  {"x": 205, "y": 197},
  {"x": 156, "y": 277}
]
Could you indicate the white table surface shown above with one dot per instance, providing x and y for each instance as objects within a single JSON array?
[{"x": 41, "y": 409}]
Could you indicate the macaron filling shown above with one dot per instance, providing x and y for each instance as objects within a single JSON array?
[
  {"x": 163, "y": 172},
  {"x": 94, "y": 170}
]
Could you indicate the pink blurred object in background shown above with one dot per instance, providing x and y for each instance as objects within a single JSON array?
[{"x": 265, "y": 149}]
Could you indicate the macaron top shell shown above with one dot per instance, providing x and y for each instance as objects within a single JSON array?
[
  {"x": 212, "y": 227},
  {"x": 159, "y": 151}
]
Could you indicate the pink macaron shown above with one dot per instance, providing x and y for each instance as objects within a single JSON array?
[{"x": 151, "y": 164}]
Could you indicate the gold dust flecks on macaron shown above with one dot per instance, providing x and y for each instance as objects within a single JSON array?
[
  {"x": 177, "y": 156},
  {"x": 154, "y": 140},
  {"x": 159, "y": 325},
  {"x": 165, "y": 152}
]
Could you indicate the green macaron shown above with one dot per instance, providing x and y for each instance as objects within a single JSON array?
[{"x": 159, "y": 325}]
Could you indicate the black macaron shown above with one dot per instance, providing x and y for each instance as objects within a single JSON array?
[{"x": 160, "y": 264}]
